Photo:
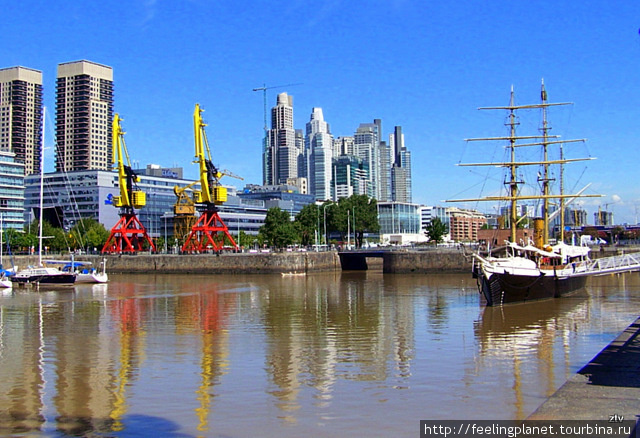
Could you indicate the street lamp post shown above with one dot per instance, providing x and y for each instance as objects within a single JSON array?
[
  {"x": 317, "y": 227},
  {"x": 324, "y": 212},
  {"x": 165, "y": 232},
  {"x": 348, "y": 230}
]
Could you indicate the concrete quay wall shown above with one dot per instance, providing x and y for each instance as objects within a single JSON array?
[
  {"x": 441, "y": 260},
  {"x": 260, "y": 263},
  {"x": 263, "y": 263}
]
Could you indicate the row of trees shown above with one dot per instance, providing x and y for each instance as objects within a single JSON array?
[
  {"x": 356, "y": 215},
  {"x": 86, "y": 234}
]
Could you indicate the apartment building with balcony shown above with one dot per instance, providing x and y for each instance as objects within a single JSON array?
[{"x": 84, "y": 114}]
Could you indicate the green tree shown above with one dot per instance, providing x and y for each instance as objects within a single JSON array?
[
  {"x": 436, "y": 230},
  {"x": 53, "y": 238},
  {"x": 307, "y": 223},
  {"x": 88, "y": 233},
  {"x": 357, "y": 214},
  {"x": 278, "y": 230}
]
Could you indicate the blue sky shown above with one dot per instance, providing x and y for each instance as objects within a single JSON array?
[{"x": 424, "y": 65}]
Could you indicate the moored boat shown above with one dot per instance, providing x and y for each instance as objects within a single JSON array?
[
  {"x": 85, "y": 271},
  {"x": 43, "y": 276}
]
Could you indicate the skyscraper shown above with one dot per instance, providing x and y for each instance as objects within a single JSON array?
[
  {"x": 401, "y": 169},
  {"x": 21, "y": 115},
  {"x": 350, "y": 176},
  {"x": 319, "y": 151},
  {"x": 366, "y": 147},
  {"x": 84, "y": 114},
  {"x": 281, "y": 156}
]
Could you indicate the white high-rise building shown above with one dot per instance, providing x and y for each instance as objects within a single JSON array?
[
  {"x": 319, "y": 151},
  {"x": 84, "y": 115},
  {"x": 281, "y": 156},
  {"x": 343, "y": 146},
  {"x": 21, "y": 115}
]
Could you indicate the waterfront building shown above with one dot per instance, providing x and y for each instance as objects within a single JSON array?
[
  {"x": 84, "y": 115},
  {"x": 465, "y": 224},
  {"x": 400, "y": 223},
  {"x": 319, "y": 151},
  {"x": 21, "y": 115},
  {"x": 283, "y": 196},
  {"x": 70, "y": 196},
  {"x": 11, "y": 191},
  {"x": 282, "y": 154}
]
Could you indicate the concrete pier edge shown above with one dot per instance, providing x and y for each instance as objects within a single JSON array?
[{"x": 608, "y": 385}]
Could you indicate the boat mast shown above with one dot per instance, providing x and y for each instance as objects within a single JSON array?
[
  {"x": 44, "y": 110},
  {"x": 513, "y": 182},
  {"x": 562, "y": 201},
  {"x": 545, "y": 179}
]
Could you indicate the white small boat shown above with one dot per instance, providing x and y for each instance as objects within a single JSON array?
[
  {"x": 85, "y": 272},
  {"x": 294, "y": 274},
  {"x": 5, "y": 281}
]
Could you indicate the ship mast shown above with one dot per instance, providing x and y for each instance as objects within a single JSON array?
[
  {"x": 513, "y": 183},
  {"x": 545, "y": 140}
]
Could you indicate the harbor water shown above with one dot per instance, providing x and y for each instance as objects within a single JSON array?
[{"x": 328, "y": 354}]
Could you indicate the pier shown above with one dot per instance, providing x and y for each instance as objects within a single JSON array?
[
  {"x": 394, "y": 261},
  {"x": 608, "y": 385}
]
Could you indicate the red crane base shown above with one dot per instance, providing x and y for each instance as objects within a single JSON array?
[
  {"x": 127, "y": 235},
  {"x": 208, "y": 234}
]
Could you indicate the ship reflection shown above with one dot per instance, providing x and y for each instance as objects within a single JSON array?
[{"x": 530, "y": 340}]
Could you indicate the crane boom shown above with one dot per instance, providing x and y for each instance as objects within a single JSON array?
[
  {"x": 128, "y": 234},
  {"x": 130, "y": 198},
  {"x": 211, "y": 191}
]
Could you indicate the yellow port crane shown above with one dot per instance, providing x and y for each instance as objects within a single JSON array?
[
  {"x": 209, "y": 231},
  {"x": 128, "y": 234},
  {"x": 184, "y": 212}
]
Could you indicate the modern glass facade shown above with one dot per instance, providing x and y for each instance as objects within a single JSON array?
[
  {"x": 399, "y": 218},
  {"x": 11, "y": 191}
]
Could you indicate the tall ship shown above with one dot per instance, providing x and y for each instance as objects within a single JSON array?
[{"x": 535, "y": 268}]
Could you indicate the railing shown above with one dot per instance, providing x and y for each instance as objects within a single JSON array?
[{"x": 621, "y": 263}]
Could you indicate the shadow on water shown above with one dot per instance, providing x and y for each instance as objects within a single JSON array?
[
  {"x": 131, "y": 426},
  {"x": 136, "y": 425},
  {"x": 618, "y": 364}
]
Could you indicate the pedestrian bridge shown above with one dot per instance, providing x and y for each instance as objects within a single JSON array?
[{"x": 357, "y": 260}]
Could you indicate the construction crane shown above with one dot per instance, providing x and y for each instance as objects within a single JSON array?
[
  {"x": 209, "y": 230},
  {"x": 264, "y": 89},
  {"x": 128, "y": 234},
  {"x": 184, "y": 211}
]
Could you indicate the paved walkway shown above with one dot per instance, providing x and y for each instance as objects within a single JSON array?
[{"x": 608, "y": 385}]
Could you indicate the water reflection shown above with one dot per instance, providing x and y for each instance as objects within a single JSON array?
[
  {"x": 323, "y": 331},
  {"x": 231, "y": 354}
]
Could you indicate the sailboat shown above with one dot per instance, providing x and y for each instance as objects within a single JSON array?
[
  {"x": 42, "y": 275},
  {"x": 534, "y": 269}
]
